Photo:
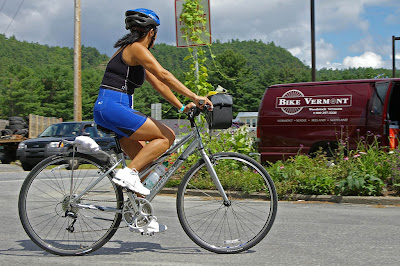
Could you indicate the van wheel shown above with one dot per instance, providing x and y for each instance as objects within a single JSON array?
[{"x": 8, "y": 157}]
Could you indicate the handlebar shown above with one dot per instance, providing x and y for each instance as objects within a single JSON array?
[
  {"x": 195, "y": 111},
  {"x": 207, "y": 107}
]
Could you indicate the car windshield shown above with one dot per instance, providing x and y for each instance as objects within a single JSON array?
[{"x": 62, "y": 130}]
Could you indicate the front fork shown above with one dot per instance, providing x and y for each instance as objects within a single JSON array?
[{"x": 214, "y": 177}]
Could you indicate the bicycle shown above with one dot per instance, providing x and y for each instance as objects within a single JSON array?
[{"x": 76, "y": 210}]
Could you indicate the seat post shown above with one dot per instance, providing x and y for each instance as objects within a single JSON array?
[
  {"x": 117, "y": 144},
  {"x": 119, "y": 149}
]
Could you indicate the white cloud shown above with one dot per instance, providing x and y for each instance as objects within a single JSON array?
[
  {"x": 368, "y": 59},
  {"x": 365, "y": 44},
  {"x": 338, "y": 15},
  {"x": 325, "y": 53}
]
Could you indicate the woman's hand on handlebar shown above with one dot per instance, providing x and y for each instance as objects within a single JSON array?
[
  {"x": 201, "y": 101},
  {"x": 188, "y": 107}
]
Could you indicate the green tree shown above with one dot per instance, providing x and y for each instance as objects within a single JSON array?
[
  {"x": 91, "y": 79},
  {"x": 21, "y": 92},
  {"x": 58, "y": 91},
  {"x": 233, "y": 73}
]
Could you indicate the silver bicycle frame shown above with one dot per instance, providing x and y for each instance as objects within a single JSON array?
[{"x": 195, "y": 145}]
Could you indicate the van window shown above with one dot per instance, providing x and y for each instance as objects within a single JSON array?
[
  {"x": 394, "y": 106},
  {"x": 378, "y": 98}
]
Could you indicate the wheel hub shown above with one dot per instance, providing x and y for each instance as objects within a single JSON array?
[{"x": 66, "y": 207}]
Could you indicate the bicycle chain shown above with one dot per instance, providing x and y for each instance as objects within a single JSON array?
[
  {"x": 105, "y": 228},
  {"x": 98, "y": 200},
  {"x": 98, "y": 230}
]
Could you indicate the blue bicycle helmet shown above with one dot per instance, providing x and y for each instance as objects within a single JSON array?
[{"x": 141, "y": 17}]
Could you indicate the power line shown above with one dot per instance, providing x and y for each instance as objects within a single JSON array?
[
  {"x": 1, "y": 9},
  {"x": 14, "y": 16}
]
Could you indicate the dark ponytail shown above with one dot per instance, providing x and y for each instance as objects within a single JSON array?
[{"x": 136, "y": 34}]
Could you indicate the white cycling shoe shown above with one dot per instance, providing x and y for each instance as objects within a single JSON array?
[
  {"x": 129, "y": 179},
  {"x": 153, "y": 227}
]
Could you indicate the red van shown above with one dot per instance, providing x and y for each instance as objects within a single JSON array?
[{"x": 313, "y": 114}]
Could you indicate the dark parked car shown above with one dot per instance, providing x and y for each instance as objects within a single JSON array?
[{"x": 30, "y": 152}]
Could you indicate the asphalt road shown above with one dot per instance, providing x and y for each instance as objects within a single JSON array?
[{"x": 304, "y": 233}]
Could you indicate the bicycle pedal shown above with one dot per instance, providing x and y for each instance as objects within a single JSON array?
[{"x": 147, "y": 234}]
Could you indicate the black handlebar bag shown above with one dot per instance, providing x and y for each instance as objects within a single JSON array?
[{"x": 221, "y": 116}]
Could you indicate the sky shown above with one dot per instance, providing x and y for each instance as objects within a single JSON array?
[{"x": 349, "y": 33}]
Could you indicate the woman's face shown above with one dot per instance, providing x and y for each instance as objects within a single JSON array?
[{"x": 153, "y": 33}]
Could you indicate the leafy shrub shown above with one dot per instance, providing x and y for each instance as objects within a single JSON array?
[
  {"x": 234, "y": 139},
  {"x": 369, "y": 170},
  {"x": 360, "y": 184}
]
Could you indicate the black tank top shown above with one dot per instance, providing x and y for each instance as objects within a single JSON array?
[{"x": 120, "y": 76}]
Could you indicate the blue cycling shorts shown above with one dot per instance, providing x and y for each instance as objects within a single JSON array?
[{"x": 113, "y": 110}]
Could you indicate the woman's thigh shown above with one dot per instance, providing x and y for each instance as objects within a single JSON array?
[
  {"x": 131, "y": 147},
  {"x": 150, "y": 130},
  {"x": 153, "y": 129}
]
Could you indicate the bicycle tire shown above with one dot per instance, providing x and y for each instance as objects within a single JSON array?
[
  {"x": 44, "y": 201},
  {"x": 220, "y": 228}
]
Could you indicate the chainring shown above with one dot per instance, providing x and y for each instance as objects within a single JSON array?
[{"x": 140, "y": 218}]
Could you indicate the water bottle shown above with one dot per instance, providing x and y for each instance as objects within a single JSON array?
[{"x": 154, "y": 176}]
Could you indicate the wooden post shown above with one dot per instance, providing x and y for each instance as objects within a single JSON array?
[{"x": 77, "y": 64}]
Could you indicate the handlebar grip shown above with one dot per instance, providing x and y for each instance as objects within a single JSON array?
[{"x": 206, "y": 106}]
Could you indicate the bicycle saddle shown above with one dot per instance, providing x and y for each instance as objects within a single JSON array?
[{"x": 105, "y": 130}]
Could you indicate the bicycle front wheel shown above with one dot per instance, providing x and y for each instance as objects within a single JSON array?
[
  {"x": 227, "y": 227},
  {"x": 52, "y": 222}
]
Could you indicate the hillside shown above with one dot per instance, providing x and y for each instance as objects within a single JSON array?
[
  {"x": 257, "y": 54},
  {"x": 36, "y": 78},
  {"x": 34, "y": 54}
]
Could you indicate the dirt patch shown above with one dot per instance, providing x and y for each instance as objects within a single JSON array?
[{"x": 391, "y": 192}]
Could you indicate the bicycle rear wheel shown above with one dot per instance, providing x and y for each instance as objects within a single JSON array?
[
  {"x": 227, "y": 228},
  {"x": 49, "y": 219}
]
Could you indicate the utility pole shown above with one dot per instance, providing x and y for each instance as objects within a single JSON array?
[
  {"x": 77, "y": 63},
  {"x": 313, "y": 71},
  {"x": 394, "y": 55}
]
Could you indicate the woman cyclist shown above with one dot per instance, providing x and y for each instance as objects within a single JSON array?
[{"x": 142, "y": 138}]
